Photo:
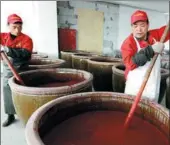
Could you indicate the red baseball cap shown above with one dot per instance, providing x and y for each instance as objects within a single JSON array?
[
  {"x": 139, "y": 16},
  {"x": 13, "y": 18}
]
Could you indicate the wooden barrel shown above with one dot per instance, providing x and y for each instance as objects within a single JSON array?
[
  {"x": 44, "y": 85},
  {"x": 101, "y": 68},
  {"x": 44, "y": 120},
  {"x": 168, "y": 93}
]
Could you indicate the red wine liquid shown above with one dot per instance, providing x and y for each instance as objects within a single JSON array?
[{"x": 104, "y": 128}]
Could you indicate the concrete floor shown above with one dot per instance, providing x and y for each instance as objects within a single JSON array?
[{"x": 14, "y": 134}]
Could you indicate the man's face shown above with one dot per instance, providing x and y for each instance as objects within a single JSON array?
[
  {"x": 140, "y": 29},
  {"x": 15, "y": 29}
]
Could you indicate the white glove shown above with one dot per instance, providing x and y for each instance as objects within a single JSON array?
[
  {"x": 4, "y": 48},
  {"x": 158, "y": 46}
]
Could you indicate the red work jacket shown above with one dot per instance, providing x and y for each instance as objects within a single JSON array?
[
  {"x": 129, "y": 47},
  {"x": 21, "y": 41}
]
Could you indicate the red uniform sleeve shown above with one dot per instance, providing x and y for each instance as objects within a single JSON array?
[
  {"x": 1, "y": 38},
  {"x": 127, "y": 54},
  {"x": 2, "y": 35},
  {"x": 159, "y": 32},
  {"x": 28, "y": 44}
]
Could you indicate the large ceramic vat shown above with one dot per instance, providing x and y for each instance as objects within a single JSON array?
[
  {"x": 101, "y": 68},
  {"x": 67, "y": 56},
  {"x": 40, "y": 129},
  {"x": 80, "y": 60},
  {"x": 45, "y": 85}
]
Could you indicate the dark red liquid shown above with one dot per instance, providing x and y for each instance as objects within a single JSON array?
[
  {"x": 61, "y": 83},
  {"x": 104, "y": 128}
]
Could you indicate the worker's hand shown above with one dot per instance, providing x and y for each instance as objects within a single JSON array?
[
  {"x": 2, "y": 48},
  {"x": 158, "y": 46}
]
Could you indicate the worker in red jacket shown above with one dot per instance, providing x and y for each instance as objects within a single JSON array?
[
  {"x": 146, "y": 40},
  {"x": 18, "y": 47},
  {"x": 141, "y": 45}
]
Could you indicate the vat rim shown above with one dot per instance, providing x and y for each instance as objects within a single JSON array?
[
  {"x": 51, "y": 90},
  {"x": 56, "y": 62}
]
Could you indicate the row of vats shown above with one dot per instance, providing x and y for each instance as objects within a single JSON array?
[
  {"x": 108, "y": 72},
  {"x": 105, "y": 74}
]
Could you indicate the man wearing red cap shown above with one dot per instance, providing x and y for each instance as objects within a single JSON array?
[
  {"x": 140, "y": 46},
  {"x": 18, "y": 47}
]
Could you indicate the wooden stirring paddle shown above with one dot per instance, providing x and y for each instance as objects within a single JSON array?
[{"x": 16, "y": 75}]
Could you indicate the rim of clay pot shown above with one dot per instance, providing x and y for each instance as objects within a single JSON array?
[
  {"x": 115, "y": 68},
  {"x": 52, "y": 62},
  {"x": 83, "y": 55},
  {"x": 31, "y": 131},
  {"x": 51, "y": 90},
  {"x": 73, "y": 51},
  {"x": 34, "y": 56},
  {"x": 34, "y": 52},
  {"x": 104, "y": 60}
]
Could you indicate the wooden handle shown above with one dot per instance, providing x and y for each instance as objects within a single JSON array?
[
  {"x": 147, "y": 75},
  {"x": 165, "y": 33},
  {"x": 16, "y": 75}
]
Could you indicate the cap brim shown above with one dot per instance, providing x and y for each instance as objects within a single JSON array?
[
  {"x": 14, "y": 21},
  {"x": 139, "y": 19}
]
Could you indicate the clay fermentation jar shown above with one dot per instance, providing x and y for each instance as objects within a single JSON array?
[
  {"x": 67, "y": 56},
  {"x": 80, "y": 60},
  {"x": 44, "y": 85},
  {"x": 101, "y": 68},
  {"x": 52, "y": 114}
]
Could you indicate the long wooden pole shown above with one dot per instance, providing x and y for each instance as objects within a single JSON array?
[{"x": 16, "y": 75}]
